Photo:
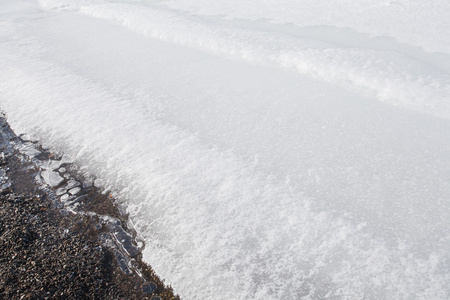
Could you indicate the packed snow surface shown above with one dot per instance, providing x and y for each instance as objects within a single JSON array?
[{"x": 262, "y": 149}]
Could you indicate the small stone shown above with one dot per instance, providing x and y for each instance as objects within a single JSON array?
[{"x": 149, "y": 288}]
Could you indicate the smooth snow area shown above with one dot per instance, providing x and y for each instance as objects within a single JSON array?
[{"x": 262, "y": 149}]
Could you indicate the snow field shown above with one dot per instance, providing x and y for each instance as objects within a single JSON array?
[{"x": 246, "y": 178}]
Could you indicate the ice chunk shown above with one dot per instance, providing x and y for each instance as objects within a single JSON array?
[
  {"x": 74, "y": 190},
  {"x": 5, "y": 186},
  {"x": 25, "y": 137},
  {"x": 122, "y": 261},
  {"x": 125, "y": 240},
  {"x": 76, "y": 200},
  {"x": 60, "y": 191},
  {"x": 52, "y": 178},
  {"x": 72, "y": 183}
]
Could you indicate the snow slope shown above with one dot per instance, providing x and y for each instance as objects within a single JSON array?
[{"x": 286, "y": 151}]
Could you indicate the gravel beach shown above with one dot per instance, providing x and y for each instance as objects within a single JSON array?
[{"x": 48, "y": 252}]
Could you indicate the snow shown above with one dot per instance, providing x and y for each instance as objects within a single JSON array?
[
  {"x": 392, "y": 76},
  {"x": 418, "y": 23},
  {"x": 261, "y": 150}
]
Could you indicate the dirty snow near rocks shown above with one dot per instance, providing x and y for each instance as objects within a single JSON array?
[{"x": 281, "y": 149}]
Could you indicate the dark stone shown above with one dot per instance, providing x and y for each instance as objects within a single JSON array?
[{"x": 149, "y": 288}]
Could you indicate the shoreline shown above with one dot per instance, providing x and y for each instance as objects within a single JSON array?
[{"x": 48, "y": 208}]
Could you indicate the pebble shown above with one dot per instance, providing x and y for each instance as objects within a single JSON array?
[{"x": 149, "y": 288}]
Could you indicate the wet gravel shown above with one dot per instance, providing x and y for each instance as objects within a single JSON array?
[{"x": 40, "y": 260}]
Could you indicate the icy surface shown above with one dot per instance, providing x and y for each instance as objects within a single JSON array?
[{"x": 260, "y": 149}]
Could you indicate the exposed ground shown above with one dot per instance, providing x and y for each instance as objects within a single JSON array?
[{"x": 49, "y": 253}]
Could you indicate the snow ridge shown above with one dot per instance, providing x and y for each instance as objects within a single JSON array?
[{"x": 392, "y": 77}]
